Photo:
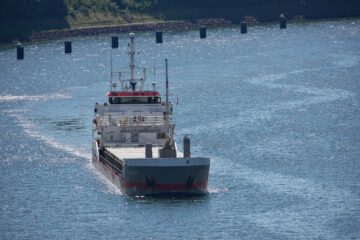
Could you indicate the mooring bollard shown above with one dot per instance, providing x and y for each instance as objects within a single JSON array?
[
  {"x": 159, "y": 38},
  {"x": 114, "y": 42},
  {"x": 68, "y": 48},
  {"x": 282, "y": 21},
  {"x": 202, "y": 32},
  {"x": 243, "y": 26},
  {"x": 19, "y": 52}
]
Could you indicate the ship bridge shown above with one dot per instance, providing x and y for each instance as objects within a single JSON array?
[{"x": 138, "y": 97}]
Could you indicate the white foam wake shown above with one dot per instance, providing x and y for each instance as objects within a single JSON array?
[
  {"x": 312, "y": 96},
  {"x": 307, "y": 219},
  {"x": 32, "y": 98},
  {"x": 316, "y": 95},
  {"x": 110, "y": 187},
  {"x": 213, "y": 189},
  {"x": 30, "y": 129}
]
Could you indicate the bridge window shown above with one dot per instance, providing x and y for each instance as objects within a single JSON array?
[{"x": 134, "y": 100}]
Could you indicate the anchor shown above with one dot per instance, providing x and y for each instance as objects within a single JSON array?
[
  {"x": 150, "y": 182},
  {"x": 190, "y": 181}
]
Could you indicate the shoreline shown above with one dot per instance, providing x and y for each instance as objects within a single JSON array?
[
  {"x": 122, "y": 28},
  {"x": 168, "y": 26}
]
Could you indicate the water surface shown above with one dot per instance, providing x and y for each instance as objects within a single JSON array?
[{"x": 277, "y": 111}]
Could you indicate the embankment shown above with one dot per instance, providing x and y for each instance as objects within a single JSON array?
[{"x": 124, "y": 28}]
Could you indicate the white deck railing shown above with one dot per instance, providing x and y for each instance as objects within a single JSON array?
[{"x": 129, "y": 121}]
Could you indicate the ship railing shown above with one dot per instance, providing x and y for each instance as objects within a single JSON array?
[
  {"x": 111, "y": 160},
  {"x": 129, "y": 121},
  {"x": 95, "y": 149}
]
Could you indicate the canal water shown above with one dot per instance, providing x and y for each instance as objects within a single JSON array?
[{"x": 277, "y": 111}]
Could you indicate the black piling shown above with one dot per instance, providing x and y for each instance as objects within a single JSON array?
[
  {"x": 202, "y": 32},
  {"x": 159, "y": 38},
  {"x": 114, "y": 42},
  {"x": 19, "y": 52},
  {"x": 282, "y": 21},
  {"x": 243, "y": 26},
  {"x": 68, "y": 48}
]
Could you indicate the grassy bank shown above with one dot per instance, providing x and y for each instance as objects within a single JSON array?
[{"x": 19, "y": 18}]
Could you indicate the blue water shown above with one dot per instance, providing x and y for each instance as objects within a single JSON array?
[{"x": 278, "y": 112}]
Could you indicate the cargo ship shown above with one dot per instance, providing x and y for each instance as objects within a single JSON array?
[{"x": 133, "y": 140}]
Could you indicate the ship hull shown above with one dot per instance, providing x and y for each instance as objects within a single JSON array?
[{"x": 157, "y": 177}]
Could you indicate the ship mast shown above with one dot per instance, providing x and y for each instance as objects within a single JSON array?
[
  {"x": 167, "y": 91},
  {"x": 167, "y": 113},
  {"x": 132, "y": 61},
  {"x": 111, "y": 70}
]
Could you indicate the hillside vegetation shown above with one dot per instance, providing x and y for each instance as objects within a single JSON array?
[
  {"x": 19, "y": 17},
  {"x": 263, "y": 10}
]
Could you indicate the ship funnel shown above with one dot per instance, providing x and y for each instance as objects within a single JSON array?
[{"x": 186, "y": 147}]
